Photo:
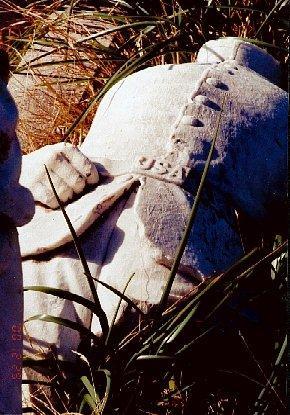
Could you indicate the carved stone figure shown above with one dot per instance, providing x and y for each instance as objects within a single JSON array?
[
  {"x": 16, "y": 209},
  {"x": 149, "y": 142}
]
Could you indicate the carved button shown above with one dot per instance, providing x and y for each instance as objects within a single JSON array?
[
  {"x": 203, "y": 100},
  {"x": 217, "y": 83},
  {"x": 230, "y": 65},
  {"x": 165, "y": 164},
  {"x": 160, "y": 169},
  {"x": 146, "y": 163},
  {"x": 177, "y": 173},
  {"x": 126, "y": 178},
  {"x": 189, "y": 120},
  {"x": 212, "y": 81},
  {"x": 177, "y": 140}
]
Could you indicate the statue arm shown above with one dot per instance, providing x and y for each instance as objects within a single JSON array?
[{"x": 70, "y": 170}]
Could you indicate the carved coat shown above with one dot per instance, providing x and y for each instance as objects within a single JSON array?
[{"x": 150, "y": 139}]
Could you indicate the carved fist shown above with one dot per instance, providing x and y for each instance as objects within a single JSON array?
[{"x": 69, "y": 169}]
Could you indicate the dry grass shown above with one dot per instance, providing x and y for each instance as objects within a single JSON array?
[{"x": 147, "y": 33}]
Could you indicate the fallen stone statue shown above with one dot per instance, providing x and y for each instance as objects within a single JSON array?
[
  {"x": 16, "y": 209},
  {"x": 129, "y": 189}
]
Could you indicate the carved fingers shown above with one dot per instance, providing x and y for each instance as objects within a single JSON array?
[{"x": 69, "y": 169}]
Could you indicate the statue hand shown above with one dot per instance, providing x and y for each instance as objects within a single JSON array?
[{"x": 69, "y": 168}]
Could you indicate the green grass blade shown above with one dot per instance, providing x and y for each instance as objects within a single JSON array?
[
  {"x": 189, "y": 226},
  {"x": 46, "y": 64},
  {"x": 178, "y": 330},
  {"x": 66, "y": 295},
  {"x": 71, "y": 82},
  {"x": 168, "y": 326},
  {"x": 119, "y": 28},
  {"x": 43, "y": 55},
  {"x": 192, "y": 9},
  {"x": 261, "y": 43},
  {"x": 268, "y": 258},
  {"x": 186, "y": 346},
  {"x": 105, "y": 399},
  {"x": 122, "y": 296},
  {"x": 116, "y": 17},
  {"x": 117, "y": 310},
  {"x": 100, "y": 312},
  {"x": 41, "y": 42},
  {"x": 63, "y": 322},
  {"x": 89, "y": 401},
  {"x": 155, "y": 358},
  {"x": 276, "y": 7},
  {"x": 260, "y": 368},
  {"x": 271, "y": 379},
  {"x": 242, "y": 8},
  {"x": 92, "y": 392}
]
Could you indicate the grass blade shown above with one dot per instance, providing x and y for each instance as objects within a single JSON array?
[
  {"x": 276, "y": 7},
  {"x": 189, "y": 226},
  {"x": 63, "y": 322},
  {"x": 92, "y": 391},
  {"x": 119, "y": 28},
  {"x": 271, "y": 379},
  {"x": 89, "y": 400},
  {"x": 66, "y": 295},
  {"x": 117, "y": 310},
  {"x": 100, "y": 312},
  {"x": 261, "y": 43},
  {"x": 122, "y": 296},
  {"x": 178, "y": 330},
  {"x": 108, "y": 377}
]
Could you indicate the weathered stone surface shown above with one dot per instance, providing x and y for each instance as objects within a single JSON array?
[
  {"x": 162, "y": 226},
  {"x": 157, "y": 125},
  {"x": 53, "y": 231},
  {"x": 237, "y": 52},
  {"x": 69, "y": 170},
  {"x": 16, "y": 209}
]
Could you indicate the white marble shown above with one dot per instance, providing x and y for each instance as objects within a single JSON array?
[{"x": 149, "y": 141}]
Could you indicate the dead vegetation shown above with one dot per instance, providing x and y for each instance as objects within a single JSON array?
[{"x": 66, "y": 54}]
